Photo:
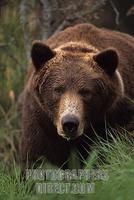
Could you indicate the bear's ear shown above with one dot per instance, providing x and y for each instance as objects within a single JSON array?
[
  {"x": 107, "y": 60},
  {"x": 40, "y": 54}
]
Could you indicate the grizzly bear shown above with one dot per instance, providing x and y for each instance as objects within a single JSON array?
[{"x": 81, "y": 78}]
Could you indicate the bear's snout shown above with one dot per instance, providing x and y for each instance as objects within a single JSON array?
[
  {"x": 70, "y": 124},
  {"x": 70, "y": 118}
]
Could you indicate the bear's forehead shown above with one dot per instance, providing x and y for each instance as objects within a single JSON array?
[
  {"x": 73, "y": 62},
  {"x": 75, "y": 52},
  {"x": 69, "y": 64},
  {"x": 68, "y": 59},
  {"x": 72, "y": 69}
]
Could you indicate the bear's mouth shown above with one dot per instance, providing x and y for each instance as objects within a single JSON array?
[{"x": 68, "y": 138}]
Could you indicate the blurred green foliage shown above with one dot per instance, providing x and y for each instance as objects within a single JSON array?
[
  {"x": 12, "y": 55},
  {"x": 13, "y": 66}
]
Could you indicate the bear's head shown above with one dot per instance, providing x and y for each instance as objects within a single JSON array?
[{"x": 75, "y": 85}]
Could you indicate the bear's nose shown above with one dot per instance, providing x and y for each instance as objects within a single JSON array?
[{"x": 70, "y": 125}]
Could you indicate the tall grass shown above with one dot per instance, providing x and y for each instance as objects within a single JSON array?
[{"x": 119, "y": 164}]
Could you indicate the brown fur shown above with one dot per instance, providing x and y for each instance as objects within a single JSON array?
[{"x": 73, "y": 66}]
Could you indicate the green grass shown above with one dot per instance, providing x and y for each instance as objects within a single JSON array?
[
  {"x": 116, "y": 157},
  {"x": 119, "y": 164}
]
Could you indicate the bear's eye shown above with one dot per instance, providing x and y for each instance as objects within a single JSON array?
[
  {"x": 85, "y": 93},
  {"x": 59, "y": 90}
]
